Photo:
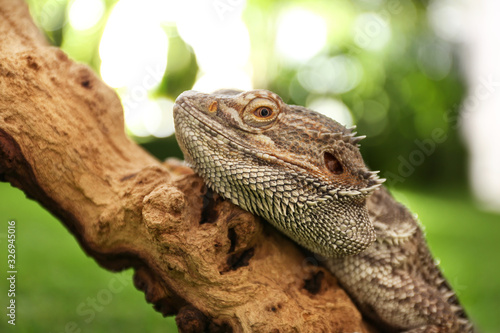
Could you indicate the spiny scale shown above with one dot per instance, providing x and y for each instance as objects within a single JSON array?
[{"x": 303, "y": 173}]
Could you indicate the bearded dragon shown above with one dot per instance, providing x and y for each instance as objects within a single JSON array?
[{"x": 303, "y": 173}]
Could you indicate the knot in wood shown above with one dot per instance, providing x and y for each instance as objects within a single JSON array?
[{"x": 162, "y": 207}]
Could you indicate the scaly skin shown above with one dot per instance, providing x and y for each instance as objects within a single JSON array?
[{"x": 304, "y": 174}]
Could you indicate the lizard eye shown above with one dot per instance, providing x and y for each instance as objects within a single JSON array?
[
  {"x": 263, "y": 112},
  {"x": 333, "y": 164}
]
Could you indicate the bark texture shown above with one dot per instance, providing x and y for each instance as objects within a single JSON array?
[{"x": 62, "y": 142}]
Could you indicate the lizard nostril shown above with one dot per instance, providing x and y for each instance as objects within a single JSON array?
[{"x": 333, "y": 164}]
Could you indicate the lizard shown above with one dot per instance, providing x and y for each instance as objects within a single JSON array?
[{"x": 303, "y": 173}]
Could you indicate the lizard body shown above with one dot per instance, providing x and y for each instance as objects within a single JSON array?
[{"x": 303, "y": 173}]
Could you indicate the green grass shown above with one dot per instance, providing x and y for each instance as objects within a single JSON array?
[{"x": 55, "y": 277}]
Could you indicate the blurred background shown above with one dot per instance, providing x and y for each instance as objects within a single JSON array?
[{"x": 419, "y": 78}]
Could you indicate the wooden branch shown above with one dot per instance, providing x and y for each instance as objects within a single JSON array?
[{"x": 217, "y": 267}]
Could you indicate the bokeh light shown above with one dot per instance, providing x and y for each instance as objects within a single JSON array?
[
  {"x": 51, "y": 15},
  {"x": 224, "y": 61},
  {"x": 132, "y": 52},
  {"x": 134, "y": 59},
  {"x": 435, "y": 59},
  {"x": 332, "y": 108},
  {"x": 447, "y": 19},
  {"x": 301, "y": 34},
  {"x": 84, "y": 14},
  {"x": 155, "y": 118},
  {"x": 338, "y": 74},
  {"x": 225, "y": 79},
  {"x": 371, "y": 31}
]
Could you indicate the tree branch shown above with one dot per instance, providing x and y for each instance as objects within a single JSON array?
[{"x": 62, "y": 142}]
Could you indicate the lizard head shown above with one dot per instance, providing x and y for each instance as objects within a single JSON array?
[{"x": 296, "y": 168}]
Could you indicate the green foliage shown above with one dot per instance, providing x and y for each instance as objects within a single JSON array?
[
  {"x": 181, "y": 70},
  {"x": 405, "y": 92}
]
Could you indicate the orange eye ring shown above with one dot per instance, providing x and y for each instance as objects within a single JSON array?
[{"x": 261, "y": 113}]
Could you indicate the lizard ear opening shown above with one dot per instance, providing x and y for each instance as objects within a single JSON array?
[{"x": 333, "y": 164}]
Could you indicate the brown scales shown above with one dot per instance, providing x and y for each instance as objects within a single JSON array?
[{"x": 304, "y": 174}]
